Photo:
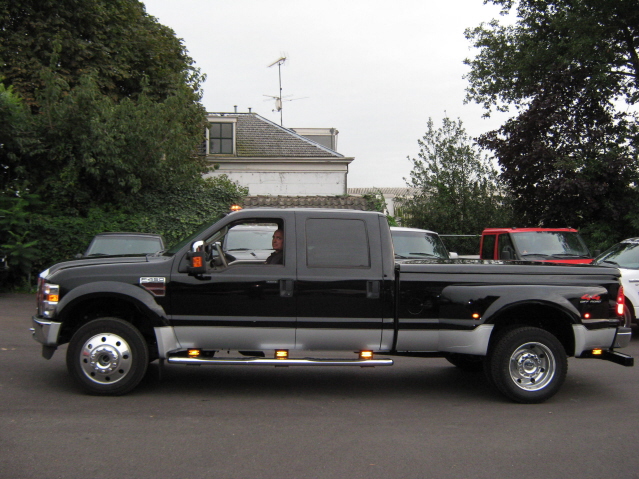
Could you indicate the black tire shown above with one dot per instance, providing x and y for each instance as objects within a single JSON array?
[
  {"x": 108, "y": 357},
  {"x": 466, "y": 362},
  {"x": 527, "y": 365}
]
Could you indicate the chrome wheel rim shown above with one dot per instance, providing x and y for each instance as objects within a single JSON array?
[
  {"x": 532, "y": 366},
  {"x": 105, "y": 358}
]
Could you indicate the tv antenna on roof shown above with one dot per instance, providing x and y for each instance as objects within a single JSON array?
[{"x": 278, "y": 99}]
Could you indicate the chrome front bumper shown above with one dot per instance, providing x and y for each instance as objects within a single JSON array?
[{"x": 45, "y": 331}]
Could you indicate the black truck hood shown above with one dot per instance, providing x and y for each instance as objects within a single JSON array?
[{"x": 106, "y": 260}]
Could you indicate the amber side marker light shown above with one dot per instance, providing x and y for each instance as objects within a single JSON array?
[
  {"x": 366, "y": 355},
  {"x": 193, "y": 353},
  {"x": 53, "y": 298},
  {"x": 597, "y": 352},
  {"x": 236, "y": 207},
  {"x": 281, "y": 354},
  {"x": 476, "y": 315}
]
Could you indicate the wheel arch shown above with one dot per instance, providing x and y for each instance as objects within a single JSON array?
[
  {"x": 110, "y": 299},
  {"x": 543, "y": 315}
]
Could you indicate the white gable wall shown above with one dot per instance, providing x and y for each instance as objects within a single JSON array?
[{"x": 290, "y": 178}]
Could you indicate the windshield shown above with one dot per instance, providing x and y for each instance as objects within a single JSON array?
[
  {"x": 556, "y": 244},
  {"x": 418, "y": 244},
  {"x": 623, "y": 255}
]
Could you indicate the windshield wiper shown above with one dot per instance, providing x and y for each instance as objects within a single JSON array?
[{"x": 609, "y": 262}]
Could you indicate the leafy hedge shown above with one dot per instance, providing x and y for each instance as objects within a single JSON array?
[{"x": 52, "y": 239}]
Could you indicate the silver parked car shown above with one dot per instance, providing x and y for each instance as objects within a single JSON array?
[
  {"x": 625, "y": 256},
  {"x": 249, "y": 242},
  {"x": 117, "y": 244},
  {"x": 414, "y": 243}
]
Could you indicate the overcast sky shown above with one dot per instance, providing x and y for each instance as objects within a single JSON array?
[{"x": 374, "y": 70}]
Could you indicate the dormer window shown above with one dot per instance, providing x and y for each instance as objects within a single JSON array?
[{"x": 220, "y": 138}]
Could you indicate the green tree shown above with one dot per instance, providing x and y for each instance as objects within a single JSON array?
[
  {"x": 126, "y": 49},
  {"x": 17, "y": 243},
  {"x": 93, "y": 150},
  {"x": 597, "y": 37},
  {"x": 569, "y": 156},
  {"x": 457, "y": 190}
]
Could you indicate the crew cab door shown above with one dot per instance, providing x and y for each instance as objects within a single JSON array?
[
  {"x": 339, "y": 282},
  {"x": 246, "y": 305}
]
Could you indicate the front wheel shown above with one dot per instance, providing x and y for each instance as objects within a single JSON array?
[
  {"x": 528, "y": 365},
  {"x": 107, "y": 356}
]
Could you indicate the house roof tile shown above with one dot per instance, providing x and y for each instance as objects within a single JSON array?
[
  {"x": 257, "y": 137},
  {"x": 339, "y": 202}
]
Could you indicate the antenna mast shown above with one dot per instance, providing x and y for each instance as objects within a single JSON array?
[{"x": 278, "y": 100}]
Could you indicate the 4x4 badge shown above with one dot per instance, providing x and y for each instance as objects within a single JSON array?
[{"x": 591, "y": 298}]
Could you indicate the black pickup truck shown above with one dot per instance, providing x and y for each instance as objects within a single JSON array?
[{"x": 338, "y": 299}]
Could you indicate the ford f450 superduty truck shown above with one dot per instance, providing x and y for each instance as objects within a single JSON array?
[{"x": 338, "y": 298}]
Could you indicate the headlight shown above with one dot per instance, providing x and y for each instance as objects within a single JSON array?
[{"x": 47, "y": 297}]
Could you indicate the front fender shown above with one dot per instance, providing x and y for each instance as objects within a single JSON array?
[{"x": 114, "y": 290}]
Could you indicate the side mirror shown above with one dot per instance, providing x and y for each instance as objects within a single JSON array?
[{"x": 197, "y": 260}]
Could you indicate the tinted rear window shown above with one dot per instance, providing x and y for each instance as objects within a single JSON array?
[{"x": 337, "y": 243}]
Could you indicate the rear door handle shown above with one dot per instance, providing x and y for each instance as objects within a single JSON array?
[
  {"x": 372, "y": 289},
  {"x": 287, "y": 286}
]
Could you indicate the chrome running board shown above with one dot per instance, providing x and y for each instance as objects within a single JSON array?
[{"x": 281, "y": 362}]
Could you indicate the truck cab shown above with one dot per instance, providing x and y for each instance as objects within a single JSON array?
[{"x": 554, "y": 245}]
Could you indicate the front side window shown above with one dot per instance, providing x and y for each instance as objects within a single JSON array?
[
  {"x": 506, "y": 248},
  {"x": 220, "y": 138},
  {"x": 337, "y": 243}
]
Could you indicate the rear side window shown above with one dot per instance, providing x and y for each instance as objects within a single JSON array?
[{"x": 337, "y": 243}]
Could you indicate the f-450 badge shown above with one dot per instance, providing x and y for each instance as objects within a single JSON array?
[{"x": 156, "y": 286}]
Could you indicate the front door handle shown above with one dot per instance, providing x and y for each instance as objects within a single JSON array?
[{"x": 287, "y": 287}]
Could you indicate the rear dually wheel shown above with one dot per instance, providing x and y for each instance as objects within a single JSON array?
[{"x": 528, "y": 365}]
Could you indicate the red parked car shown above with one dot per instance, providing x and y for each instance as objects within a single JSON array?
[{"x": 555, "y": 245}]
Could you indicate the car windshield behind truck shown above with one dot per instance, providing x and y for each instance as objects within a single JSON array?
[
  {"x": 550, "y": 244},
  {"x": 416, "y": 244},
  {"x": 623, "y": 255}
]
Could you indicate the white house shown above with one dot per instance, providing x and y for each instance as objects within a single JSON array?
[{"x": 271, "y": 160}]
